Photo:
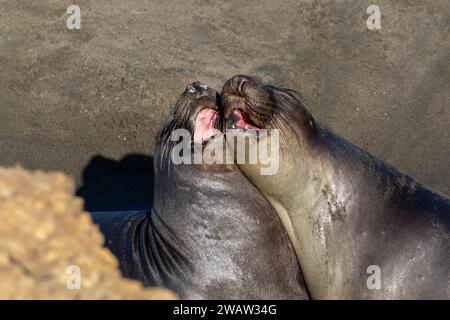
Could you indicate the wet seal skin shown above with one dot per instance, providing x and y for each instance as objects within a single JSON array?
[
  {"x": 211, "y": 233},
  {"x": 361, "y": 229}
]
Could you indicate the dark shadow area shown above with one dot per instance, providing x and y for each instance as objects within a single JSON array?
[{"x": 110, "y": 185}]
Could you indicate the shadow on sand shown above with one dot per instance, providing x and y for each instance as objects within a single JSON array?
[{"x": 110, "y": 185}]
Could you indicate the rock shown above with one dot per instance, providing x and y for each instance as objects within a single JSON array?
[{"x": 49, "y": 246}]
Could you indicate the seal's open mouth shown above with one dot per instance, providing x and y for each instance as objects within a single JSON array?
[
  {"x": 206, "y": 123},
  {"x": 240, "y": 120}
]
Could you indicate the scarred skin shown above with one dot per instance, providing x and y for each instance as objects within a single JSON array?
[
  {"x": 211, "y": 233},
  {"x": 344, "y": 209}
]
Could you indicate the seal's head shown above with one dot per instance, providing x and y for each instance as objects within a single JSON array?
[
  {"x": 249, "y": 104},
  {"x": 196, "y": 112}
]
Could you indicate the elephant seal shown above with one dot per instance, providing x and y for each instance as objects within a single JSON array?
[
  {"x": 361, "y": 229},
  {"x": 211, "y": 234}
]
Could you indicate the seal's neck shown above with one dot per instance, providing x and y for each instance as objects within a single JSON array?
[{"x": 309, "y": 195}]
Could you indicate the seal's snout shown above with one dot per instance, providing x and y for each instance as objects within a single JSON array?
[
  {"x": 204, "y": 110},
  {"x": 199, "y": 89},
  {"x": 238, "y": 84},
  {"x": 238, "y": 96},
  {"x": 201, "y": 96}
]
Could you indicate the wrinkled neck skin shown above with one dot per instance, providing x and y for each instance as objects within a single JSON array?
[
  {"x": 188, "y": 232},
  {"x": 212, "y": 235},
  {"x": 344, "y": 211}
]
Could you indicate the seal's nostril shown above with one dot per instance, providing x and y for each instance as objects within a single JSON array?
[
  {"x": 237, "y": 84},
  {"x": 241, "y": 85},
  {"x": 190, "y": 89}
]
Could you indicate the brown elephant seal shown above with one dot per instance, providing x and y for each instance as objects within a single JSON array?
[
  {"x": 361, "y": 229},
  {"x": 211, "y": 233}
]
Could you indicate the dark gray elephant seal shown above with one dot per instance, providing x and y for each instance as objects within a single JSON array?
[
  {"x": 211, "y": 233},
  {"x": 353, "y": 219}
]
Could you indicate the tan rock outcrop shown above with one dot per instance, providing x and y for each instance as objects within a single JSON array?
[{"x": 49, "y": 246}]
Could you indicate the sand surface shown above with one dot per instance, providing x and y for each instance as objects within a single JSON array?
[{"x": 81, "y": 101}]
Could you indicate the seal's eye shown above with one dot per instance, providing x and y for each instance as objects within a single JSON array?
[{"x": 191, "y": 89}]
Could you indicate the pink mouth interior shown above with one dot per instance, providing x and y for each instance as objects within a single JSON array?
[
  {"x": 242, "y": 121},
  {"x": 205, "y": 125}
]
